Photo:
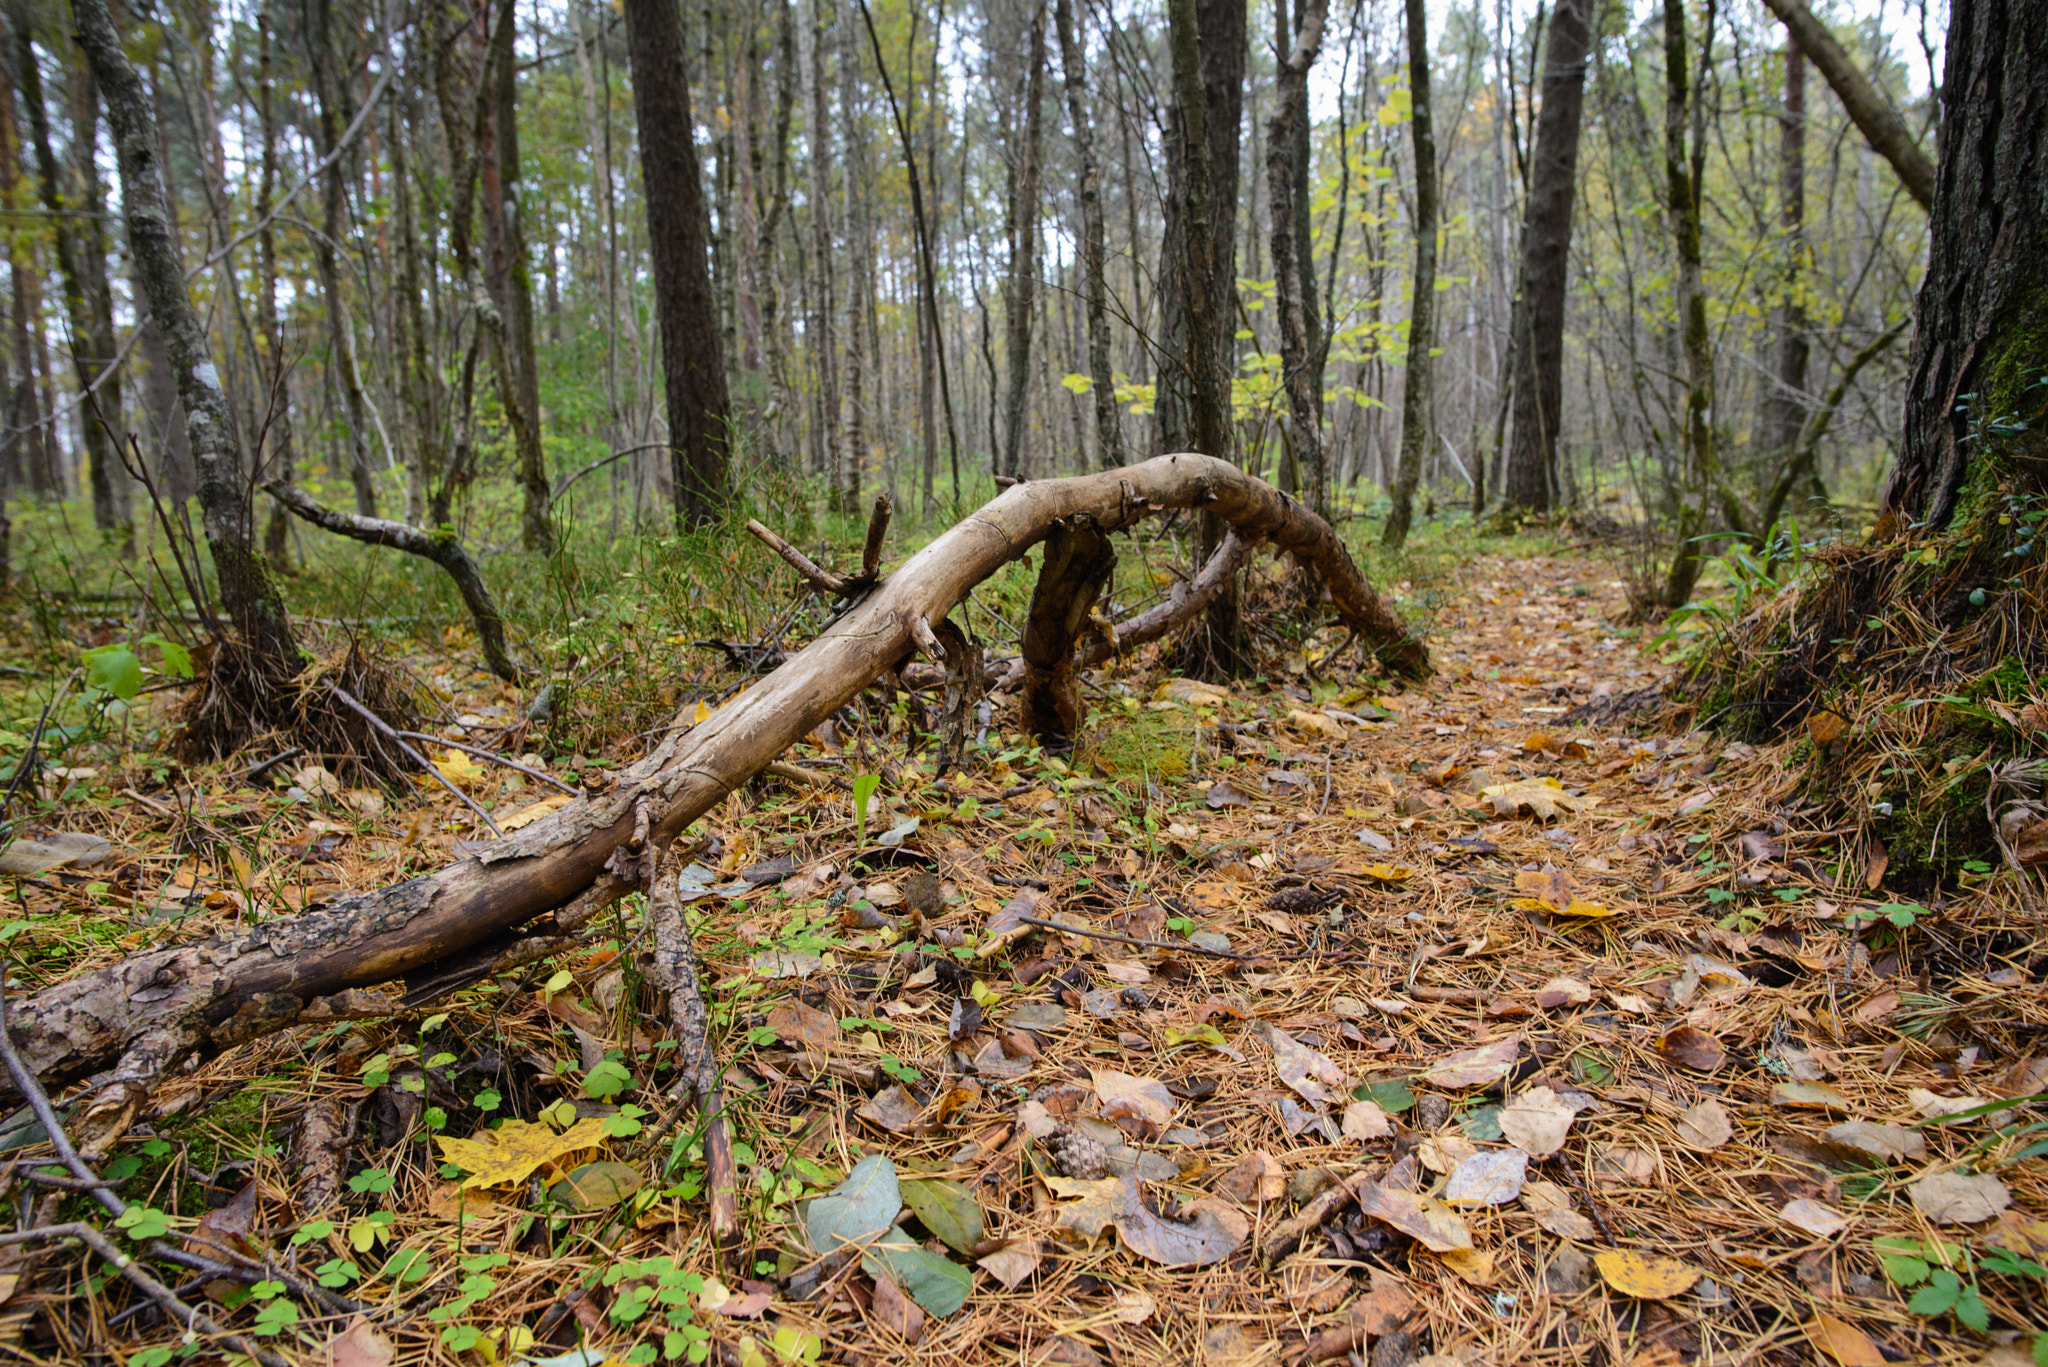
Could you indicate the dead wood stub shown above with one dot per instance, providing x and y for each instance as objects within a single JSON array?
[
  {"x": 217, "y": 993},
  {"x": 1079, "y": 561}
]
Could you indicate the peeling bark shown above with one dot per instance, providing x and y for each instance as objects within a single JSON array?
[{"x": 225, "y": 991}]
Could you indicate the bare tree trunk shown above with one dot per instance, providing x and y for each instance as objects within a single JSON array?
[
  {"x": 1785, "y": 412},
  {"x": 1702, "y": 459},
  {"x": 1018, "y": 308},
  {"x": 331, "y": 94},
  {"x": 1297, "y": 345},
  {"x": 224, "y": 497},
  {"x": 81, "y": 260},
  {"x": 515, "y": 279},
  {"x": 28, "y": 440},
  {"x": 1869, "y": 110},
  {"x": 1546, "y": 265},
  {"x": 1109, "y": 439},
  {"x": 678, "y": 240},
  {"x": 1418, "y": 393},
  {"x": 819, "y": 339},
  {"x": 276, "y": 533},
  {"x": 860, "y": 265}
]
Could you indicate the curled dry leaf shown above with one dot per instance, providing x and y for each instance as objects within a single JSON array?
[
  {"x": 1646, "y": 1278},
  {"x": 1552, "y": 1207},
  {"x": 1014, "y": 1263},
  {"x": 1430, "y": 1223},
  {"x": 1215, "y": 1232},
  {"x": 1691, "y": 1047},
  {"x": 1536, "y": 1121},
  {"x": 1892, "y": 1142},
  {"x": 1954, "y": 1198},
  {"x": 1094, "y": 1206},
  {"x": 1847, "y": 1345},
  {"x": 1475, "y": 1067},
  {"x": 1255, "y": 1178},
  {"x": 1563, "y": 992},
  {"x": 1492, "y": 1177},
  {"x": 1821, "y": 1221},
  {"x": 1704, "y": 1125},
  {"x": 1133, "y": 1102},
  {"x": 1307, "y": 1071}
]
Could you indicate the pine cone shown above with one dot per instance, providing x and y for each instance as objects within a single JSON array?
[
  {"x": 1077, "y": 1154},
  {"x": 1297, "y": 901}
]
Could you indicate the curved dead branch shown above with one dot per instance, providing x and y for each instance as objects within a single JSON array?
[{"x": 209, "y": 996}]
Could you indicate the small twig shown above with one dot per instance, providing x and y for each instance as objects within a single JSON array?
[
  {"x": 494, "y": 758},
  {"x": 823, "y": 580},
  {"x": 148, "y": 802},
  {"x": 798, "y": 774},
  {"x": 878, "y": 531},
  {"x": 194, "y": 1320},
  {"x": 1128, "y": 939},
  {"x": 31, "y": 1089},
  {"x": 265, "y": 766},
  {"x": 415, "y": 756}
]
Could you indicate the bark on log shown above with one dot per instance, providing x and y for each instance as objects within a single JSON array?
[
  {"x": 442, "y": 547},
  {"x": 1078, "y": 563},
  {"x": 218, "y": 993}
]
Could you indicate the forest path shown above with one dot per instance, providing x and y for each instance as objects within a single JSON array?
[{"x": 1564, "y": 1039}]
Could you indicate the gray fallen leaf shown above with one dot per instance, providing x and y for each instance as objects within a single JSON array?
[
  {"x": 1891, "y": 1142},
  {"x": 1954, "y": 1198},
  {"x": 1492, "y": 1177}
]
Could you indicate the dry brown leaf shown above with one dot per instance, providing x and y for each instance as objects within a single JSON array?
[
  {"x": 1705, "y": 1125},
  {"x": 1255, "y": 1178},
  {"x": 1544, "y": 797},
  {"x": 1493, "y": 1177},
  {"x": 2021, "y": 1235},
  {"x": 1093, "y": 1208},
  {"x": 1892, "y": 1142},
  {"x": 1821, "y": 1221},
  {"x": 1691, "y": 1047},
  {"x": 1306, "y": 1070},
  {"x": 1014, "y": 1263},
  {"x": 1135, "y": 1099},
  {"x": 1215, "y": 1232},
  {"x": 1442, "y": 1153},
  {"x": 360, "y": 1345},
  {"x": 1475, "y": 1067},
  {"x": 1644, "y": 1277},
  {"x": 1810, "y": 1096},
  {"x": 1536, "y": 1121},
  {"x": 1941, "y": 1108},
  {"x": 1845, "y": 1343},
  {"x": 1552, "y": 1207},
  {"x": 1954, "y": 1198},
  {"x": 1430, "y": 1223},
  {"x": 896, "y": 1312},
  {"x": 892, "y": 1108},
  {"x": 1563, "y": 991},
  {"x": 804, "y": 1026},
  {"x": 1365, "y": 1120}
]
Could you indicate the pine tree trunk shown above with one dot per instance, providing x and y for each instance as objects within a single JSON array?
[
  {"x": 1531, "y": 481},
  {"x": 1417, "y": 391},
  {"x": 245, "y": 588},
  {"x": 515, "y": 277},
  {"x": 859, "y": 253},
  {"x": 678, "y": 240},
  {"x": 1018, "y": 309},
  {"x": 1983, "y": 308},
  {"x": 819, "y": 340},
  {"x": 331, "y": 95}
]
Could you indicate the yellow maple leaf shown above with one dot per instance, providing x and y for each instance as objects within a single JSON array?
[
  {"x": 459, "y": 769},
  {"x": 509, "y": 1154},
  {"x": 1544, "y": 797},
  {"x": 1388, "y": 873}
]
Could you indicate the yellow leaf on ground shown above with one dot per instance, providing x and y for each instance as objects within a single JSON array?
[
  {"x": 1845, "y": 1343},
  {"x": 459, "y": 769},
  {"x": 1544, "y": 797},
  {"x": 510, "y": 1153},
  {"x": 1652, "y": 1279},
  {"x": 1388, "y": 873},
  {"x": 533, "y": 811}
]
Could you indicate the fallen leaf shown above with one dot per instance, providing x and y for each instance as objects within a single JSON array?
[
  {"x": 230, "y": 1224},
  {"x": 1646, "y": 1278},
  {"x": 1536, "y": 1121},
  {"x": 1475, "y": 1067},
  {"x": 1892, "y": 1142},
  {"x": 1810, "y": 1096},
  {"x": 1954, "y": 1198},
  {"x": 1442, "y": 1153},
  {"x": 459, "y": 769},
  {"x": 1306, "y": 1070},
  {"x": 1215, "y": 1232},
  {"x": 1563, "y": 992},
  {"x": 1430, "y": 1223},
  {"x": 1473, "y": 1265},
  {"x": 1821, "y": 1221},
  {"x": 1365, "y": 1120},
  {"x": 520, "y": 817},
  {"x": 1845, "y": 1343},
  {"x": 1691, "y": 1047},
  {"x": 1093, "y": 1208},
  {"x": 946, "y": 1208},
  {"x": 359, "y": 1345},
  {"x": 1552, "y": 1208},
  {"x": 896, "y": 1312},
  {"x": 1254, "y": 1179},
  {"x": 1007, "y": 926},
  {"x": 510, "y": 1153},
  {"x": 799, "y": 1025},
  {"x": 1941, "y": 1107},
  {"x": 597, "y": 1186},
  {"x": 1221, "y": 794},
  {"x": 1705, "y": 1125},
  {"x": 892, "y": 1108},
  {"x": 1315, "y": 723},
  {"x": 1492, "y": 1177},
  {"x": 1145, "y": 1103},
  {"x": 1544, "y": 797},
  {"x": 856, "y": 1210},
  {"x": 1014, "y": 1263}
]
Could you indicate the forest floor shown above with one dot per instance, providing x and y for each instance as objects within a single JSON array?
[{"x": 1470, "y": 1036}]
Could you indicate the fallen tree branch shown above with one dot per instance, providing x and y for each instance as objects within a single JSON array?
[
  {"x": 1187, "y": 602},
  {"x": 215, "y": 994},
  {"x": 442, "y": 547}
]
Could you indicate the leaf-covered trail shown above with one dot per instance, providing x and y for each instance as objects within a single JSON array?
[{"x": 1451, "y": 1033}]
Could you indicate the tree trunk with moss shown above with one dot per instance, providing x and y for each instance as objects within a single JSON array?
[{"x": 1980, "y": 351}]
